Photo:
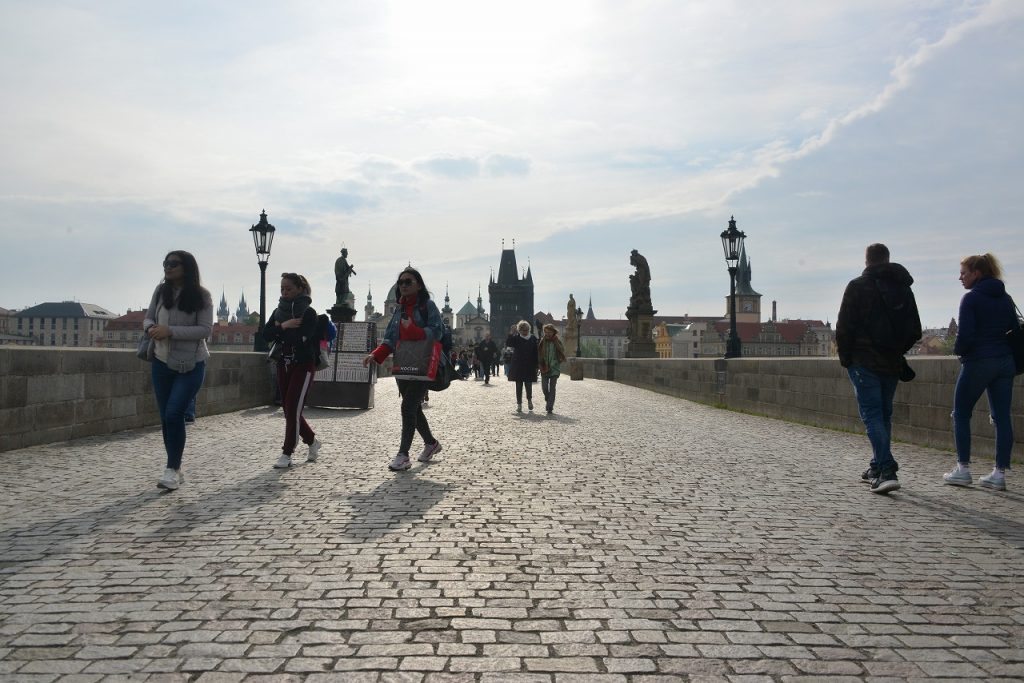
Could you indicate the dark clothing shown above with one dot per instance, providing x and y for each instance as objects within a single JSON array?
[
  {"x": 523, "y": 366},
  {"x": 863, "y": 314},
  {"x": 298, "y": 344},
  {"x": 875, "y": 394},
  {"x": 986, "y": 366},
  {"x": 547, "y": 385},
  {"x": 294, "y": 381},
  {"x": 519, "y": 391},
  {"x": 413, "y": 419},
  {"x": 986, "y": 315},
  {"x": 487, "y": 352}
]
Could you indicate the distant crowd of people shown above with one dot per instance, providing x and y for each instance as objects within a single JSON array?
[{"x": 878, "y": 323}]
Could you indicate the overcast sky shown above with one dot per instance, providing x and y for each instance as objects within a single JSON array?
[{"x": 431, "y": 131}]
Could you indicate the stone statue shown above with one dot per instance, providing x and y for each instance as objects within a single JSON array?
[
  {"x": 640, "y": 282},
  {"x": 570, "y": 313},
  {"x": 342, "y": 270}
]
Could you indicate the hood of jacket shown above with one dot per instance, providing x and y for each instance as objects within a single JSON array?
[
  {"x": 893, "y": 272},
  {"x": 990, "y": 287}
]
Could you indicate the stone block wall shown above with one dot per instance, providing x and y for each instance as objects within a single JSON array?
[
  {"x": 817, "y": 391},
  {"x": 55, "y": 394}
]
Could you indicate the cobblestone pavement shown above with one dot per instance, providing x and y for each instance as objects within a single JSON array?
[{"x": 632, "y": 537}]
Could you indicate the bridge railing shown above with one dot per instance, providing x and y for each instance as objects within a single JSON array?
[
  {"x": 817, "y": 391},
  {"x": 55, "y": 394}
]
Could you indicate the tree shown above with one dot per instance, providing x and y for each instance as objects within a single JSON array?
[{"x": 591, "y": 349}]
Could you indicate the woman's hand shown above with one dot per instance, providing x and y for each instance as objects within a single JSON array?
[
  {"x": 368, "y": 359},
  {"x": 291, "y": 323},
  {"x": 159, "y": 332}
]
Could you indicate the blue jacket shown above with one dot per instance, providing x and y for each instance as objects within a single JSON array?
[
  {"x": 432, "y": 325},
  {"x": 986, "y": 314}
]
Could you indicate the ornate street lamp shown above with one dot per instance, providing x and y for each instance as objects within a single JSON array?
[
  {"x": 262, "y": 238},
  {"x": 579, "y": 328},
  {"x": 732, "y": 244}
]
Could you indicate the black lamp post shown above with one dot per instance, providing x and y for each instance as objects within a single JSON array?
[
  {"x": 732, "y": 244},
  {"x": 579, "y": 328},
  {"x": 262, "y": 238}
]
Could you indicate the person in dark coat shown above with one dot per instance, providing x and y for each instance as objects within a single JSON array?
[
  {"x": 871, "y": 340},
  {"x": 522, "y": 368},
  {"x": 487, "y": 352},
  {"x": 986, "y": 366}
]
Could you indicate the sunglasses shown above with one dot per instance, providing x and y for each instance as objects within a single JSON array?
[
  {"x": 407, "y": 282},
  {"x": 172, "y": 264}
]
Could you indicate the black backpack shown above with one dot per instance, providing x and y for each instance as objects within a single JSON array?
[{"x": 898, "y": 327}]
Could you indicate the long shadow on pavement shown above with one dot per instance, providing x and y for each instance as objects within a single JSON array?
[{"x": 1009, "y": 530}]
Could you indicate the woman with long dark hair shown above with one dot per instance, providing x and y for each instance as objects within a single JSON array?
[
  {"x": 292, "y": 326},
  {"x": 415, "y": 318},
  {"x": 179, "y": 321},
  {"x": 986, "y": 366}
]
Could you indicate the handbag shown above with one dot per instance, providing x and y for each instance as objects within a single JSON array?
[
  {"x": 144, "y": 351},
  {"x": 417, "y": 359},
  {"x": 1015, "y": 337},
  {"x": 323, "y": 361},
  {"x": 444, "y": 377}
]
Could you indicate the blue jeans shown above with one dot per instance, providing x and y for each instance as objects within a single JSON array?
[
  {"x": 174, "y": 391},
  {"x": 874, "y": 400},
  {"x": 994, "y": 376}
]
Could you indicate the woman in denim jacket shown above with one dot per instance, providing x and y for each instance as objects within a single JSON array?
[
  {"x": 409, "y": 323},
  {"x": 179, "y": 321}
]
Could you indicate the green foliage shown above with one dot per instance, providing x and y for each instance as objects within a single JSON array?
[{"x": 591, "y": 349}]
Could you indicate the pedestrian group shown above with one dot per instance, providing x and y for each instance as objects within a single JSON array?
[{"x": 878, "y": 324}]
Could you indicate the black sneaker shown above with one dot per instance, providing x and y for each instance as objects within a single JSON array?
[
  {"x": 885, "y": 482},
  {"x": 870, "y": 474}
]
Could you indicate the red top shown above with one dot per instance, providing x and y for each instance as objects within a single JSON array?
[{"x": 407, "y": 330}]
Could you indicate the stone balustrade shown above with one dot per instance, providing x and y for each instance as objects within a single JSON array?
[
  {"x": 55, "y": 394},
  {"x": 816, "y": 391}
]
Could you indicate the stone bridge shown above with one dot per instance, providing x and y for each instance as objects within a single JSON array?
[{"x": 634, "y": 536}]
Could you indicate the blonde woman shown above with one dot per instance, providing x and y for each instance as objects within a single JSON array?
[
  {"x": 522, "y": 369},
  {"x": 986, "y": 366}
]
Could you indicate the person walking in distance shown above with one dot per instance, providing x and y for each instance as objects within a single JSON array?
[
  {"x": 522, "y": 366},
  {"x": 487, "y": 352},
  {"x": 987, "y": 313},
  {"x": 878, "y": 323},
  {"x": 550, "y": 355},
  {"x": 179, "y": 321},
  {"x": 292, "y": 327},
  {"x": 415, "y": 318}
]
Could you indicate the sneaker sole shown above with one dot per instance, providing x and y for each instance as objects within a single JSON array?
[
  {"x": 886, "y": 487},
  {"x": 953, "y": 482},
  {"x": 399, "y": 469},
  {"x": 166, "y": 487},
  {"x": 282, "y": 467},
  {"x": 990, "y": 485}
]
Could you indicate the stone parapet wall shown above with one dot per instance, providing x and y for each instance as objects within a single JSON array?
[
  {"x": 55, "y": 394},
  {"x": 817, "y": 391}
]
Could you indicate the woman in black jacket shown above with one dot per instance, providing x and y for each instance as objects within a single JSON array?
[
  {"x": 522, "y": 368},
  {"x": 292, "y": 327}
]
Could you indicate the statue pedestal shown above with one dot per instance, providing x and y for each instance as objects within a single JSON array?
[
  {"x": 345, "y": 383},
  {"x": 641, "y": 342},
  {"x": 342, "y": 314},
  {"x": 575, "y": 367}
]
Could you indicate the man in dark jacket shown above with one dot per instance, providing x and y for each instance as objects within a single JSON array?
[
  {"x": 878, "y": 323},
  {"x": 487, "y": 351}
]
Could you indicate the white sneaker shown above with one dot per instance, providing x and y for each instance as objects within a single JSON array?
[
  {"x": 429, "y": 451},
  {"x": 284, "y": 462},
  {"x": 996, "y": 480},
  {"x": 401, "y": 462},
  {"x": 170, "y": 480},
  {"x": 314, "y": 450},
  {"x": 958, "y": 476}
]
